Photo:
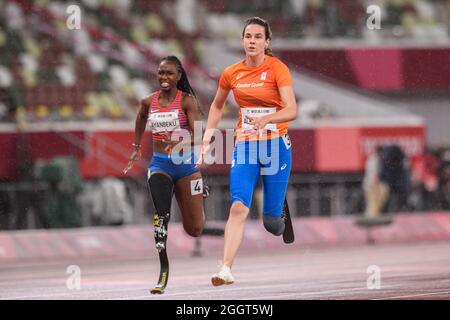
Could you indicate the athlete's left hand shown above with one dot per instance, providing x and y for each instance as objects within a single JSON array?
[
  {"x": 205, "y": 149},
  {"x": 258, "y": 122}
]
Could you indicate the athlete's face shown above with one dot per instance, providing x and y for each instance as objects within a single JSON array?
[
  {"x": 168, "y": 75},
  {"x": 254, "y": 40}
]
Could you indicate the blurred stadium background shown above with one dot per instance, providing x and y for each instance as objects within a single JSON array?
[{"x": 68, "y": 100}]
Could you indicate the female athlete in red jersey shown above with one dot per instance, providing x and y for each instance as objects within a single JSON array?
[{"x": 172, "y": 109}]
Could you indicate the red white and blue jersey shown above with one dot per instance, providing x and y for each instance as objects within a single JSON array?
[{"x": 167, "y": 119}]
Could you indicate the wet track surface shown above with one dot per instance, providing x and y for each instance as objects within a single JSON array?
[{"x": 407, "y": 271}]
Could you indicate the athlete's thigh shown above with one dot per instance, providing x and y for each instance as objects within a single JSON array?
[
  {"x": 276, "y": 183},
  {"x": 244, "y": 172},
  {"x": 243, "y": 179},
  {"x": 189, "y": 195}
]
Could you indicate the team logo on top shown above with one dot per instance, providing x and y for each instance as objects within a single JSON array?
[{"x": 263, "y": 75}]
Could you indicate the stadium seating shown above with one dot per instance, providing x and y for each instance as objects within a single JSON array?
[
  {"x": 100, "y": 71},
  {"x": 106, "y": 67},
  {"x": 416, "y": 19}
]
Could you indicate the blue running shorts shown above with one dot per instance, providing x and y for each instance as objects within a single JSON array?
[
  {"x": 270, "y": 158},
  {"x": 176, "y": 166}
]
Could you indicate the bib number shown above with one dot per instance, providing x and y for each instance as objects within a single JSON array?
[
  {"x": 196, "y": 187},
  {"x": 256, "y": 112},
  {"x": 164, "y": 121},
  {"x": 287, "y": 141}
]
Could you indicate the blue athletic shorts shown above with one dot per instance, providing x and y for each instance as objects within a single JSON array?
[
  {"x": 270, "y": 158},
  {"x": 176, "y": 166}
]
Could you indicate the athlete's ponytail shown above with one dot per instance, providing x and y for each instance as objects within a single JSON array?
[{"x": 183, "y": 84}]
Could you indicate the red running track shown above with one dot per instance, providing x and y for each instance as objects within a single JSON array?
[{"x": 419, "y": 270}]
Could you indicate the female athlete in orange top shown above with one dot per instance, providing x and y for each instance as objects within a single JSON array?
[{"x": 262, "y": 87}]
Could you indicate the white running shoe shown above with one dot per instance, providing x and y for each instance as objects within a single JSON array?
[{"x": 224, "y": 276}]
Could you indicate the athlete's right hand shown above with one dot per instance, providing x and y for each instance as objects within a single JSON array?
[
  {"x": 134, "y": 157},
  {"x": 205, "y": 148}
]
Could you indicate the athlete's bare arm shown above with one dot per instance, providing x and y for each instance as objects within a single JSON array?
[
  {"x": 141, "y": 120},
  {"x": 215, "y": 113},
  {"x": 214, "y": 116},
  {"x": 139, "y": 128},
  {"x": 191, "y": 109}
]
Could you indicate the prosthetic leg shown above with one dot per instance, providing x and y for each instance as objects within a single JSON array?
[
  {"x": 288, "y": 234},
  {"x": 161, "y": 188}
]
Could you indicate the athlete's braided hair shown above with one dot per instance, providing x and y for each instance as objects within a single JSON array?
[{"x": 183, "y": 84}]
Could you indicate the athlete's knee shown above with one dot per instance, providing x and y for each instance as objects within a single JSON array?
[
  {"x": 239, "y": 210},
  {"x": 273, "y": 224},
  {"x": 194, "y": 227},
  {"x": 194, "y": 230}
]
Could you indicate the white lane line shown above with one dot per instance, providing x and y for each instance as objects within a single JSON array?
[
  {"x": 317, "y": 293},
  {"x": 77, "y": 294},
  {"x": 413, "y": 295},
  {"x": 217, "y": 290},
  {"x": 94, "y": 290},
  {"x": 240, "y": 289},
  {"x": 224, "y": 289},
  {"x": 227, "y": 289},
  {"x": 80, "y": 293}
]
